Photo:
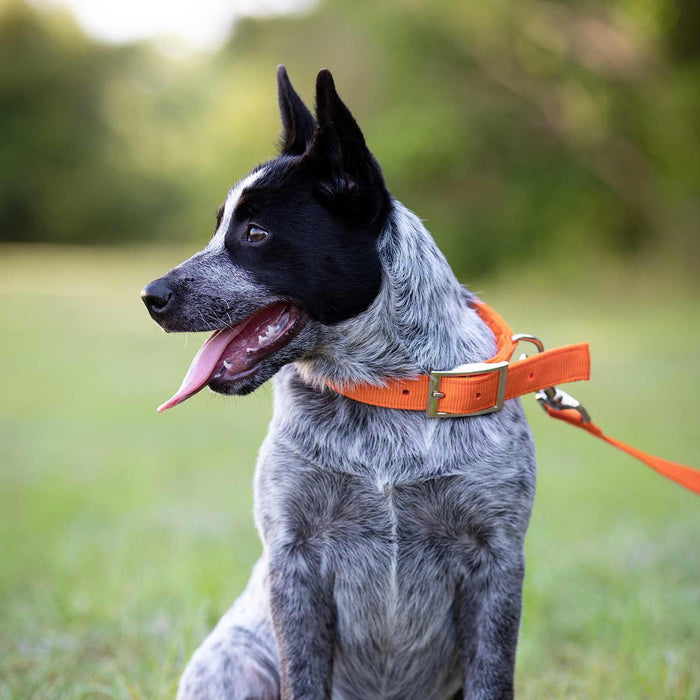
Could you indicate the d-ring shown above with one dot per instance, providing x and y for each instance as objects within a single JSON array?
[{"x": 527, "y": 337}]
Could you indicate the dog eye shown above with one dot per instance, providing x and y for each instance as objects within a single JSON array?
[{"x": 255, "y": 234}]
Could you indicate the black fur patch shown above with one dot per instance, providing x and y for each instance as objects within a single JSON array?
[
  {"x": 323, "y": 203},
  {"x": 321, "y": 258}
]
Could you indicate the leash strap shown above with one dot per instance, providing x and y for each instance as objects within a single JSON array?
[
  {"x": 685, "y": 476},
  {"x": 483, "y": 387}
]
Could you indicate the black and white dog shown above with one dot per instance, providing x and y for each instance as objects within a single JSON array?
[{"x": 392, "y": 562}]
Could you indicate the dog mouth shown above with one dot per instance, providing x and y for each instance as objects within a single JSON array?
[{"x": 236, "y": 352}]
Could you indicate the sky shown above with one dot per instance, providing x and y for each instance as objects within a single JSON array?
[{"x": 198, "y": 25}]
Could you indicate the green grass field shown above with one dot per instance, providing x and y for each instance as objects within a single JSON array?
[{"x": 125, "y": 534}]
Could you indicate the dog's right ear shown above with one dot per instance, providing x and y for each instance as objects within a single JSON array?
[
  {"x": 297, "y": 122},
  {"x": 350, "y": 179}
]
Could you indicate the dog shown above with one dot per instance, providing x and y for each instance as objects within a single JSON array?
[{"x": 392, "y": 562}]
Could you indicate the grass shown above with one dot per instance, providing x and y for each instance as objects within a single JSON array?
[{"x": 126, "y": 534}]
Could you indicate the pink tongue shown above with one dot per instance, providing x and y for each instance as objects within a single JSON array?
[{"x": 202, "y": 366}]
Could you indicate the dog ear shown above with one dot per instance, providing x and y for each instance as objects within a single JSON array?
[
  {"x": 297, "y": 122},
  {"x": 349, "y": 178}
]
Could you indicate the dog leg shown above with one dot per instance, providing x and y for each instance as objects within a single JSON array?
[
  {"x": 238, "y": 660},
  {"x": 304, "y": 619},
  {"x": 488, "y": 609}
]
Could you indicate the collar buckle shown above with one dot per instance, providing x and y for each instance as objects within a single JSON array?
[{"x": 470, "y": 370}]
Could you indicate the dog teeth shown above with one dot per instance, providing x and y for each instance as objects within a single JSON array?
[{"x": 269, "y": 333}]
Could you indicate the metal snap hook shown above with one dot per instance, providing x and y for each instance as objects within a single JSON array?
[{"x": 551, "y": 396}]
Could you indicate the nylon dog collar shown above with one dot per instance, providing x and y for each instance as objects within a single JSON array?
[{"x": 483, "y": 387}]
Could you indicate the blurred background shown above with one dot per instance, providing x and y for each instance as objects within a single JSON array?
[
  {"x": 517, "y": 129},
  {"x": 553, "y": 149}
]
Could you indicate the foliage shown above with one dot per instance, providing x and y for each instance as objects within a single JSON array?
[{"x": 537, "y": 128}]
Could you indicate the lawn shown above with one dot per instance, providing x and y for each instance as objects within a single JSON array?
[{"x": 125, "y": 534}]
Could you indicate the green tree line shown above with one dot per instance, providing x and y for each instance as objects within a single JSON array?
[{"x": 516, "y": 129}]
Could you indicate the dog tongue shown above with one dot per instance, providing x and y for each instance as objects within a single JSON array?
[
  {"x": 233, "y": 352},
  {"x": 202, "y": 366}
]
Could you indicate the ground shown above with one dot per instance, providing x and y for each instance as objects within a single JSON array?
[{"x": 125, "y": 534}]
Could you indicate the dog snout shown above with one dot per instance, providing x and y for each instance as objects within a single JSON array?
[{"x": 158, "y": 298}]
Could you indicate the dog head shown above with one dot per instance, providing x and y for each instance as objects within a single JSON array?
[{"x": 294, "y": 251}]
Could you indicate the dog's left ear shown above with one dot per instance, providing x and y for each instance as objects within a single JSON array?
[
  {"x": 297, "y": 122},
  {"x": 349, "y": 178}
]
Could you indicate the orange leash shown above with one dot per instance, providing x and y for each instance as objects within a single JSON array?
[
  {"x": 483, "y": 387},
  {"x": 685, "y": 476}
]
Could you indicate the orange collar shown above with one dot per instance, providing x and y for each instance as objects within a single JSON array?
[{"x": 483, "y": 387}]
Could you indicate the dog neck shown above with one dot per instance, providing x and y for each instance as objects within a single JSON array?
[{"x": 421, "y": 319}]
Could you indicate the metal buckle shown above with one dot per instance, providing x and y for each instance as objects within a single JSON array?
[{"x": 434, "y": 393}]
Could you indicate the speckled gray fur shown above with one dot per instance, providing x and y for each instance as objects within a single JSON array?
[{"x": 392, "y": 560}]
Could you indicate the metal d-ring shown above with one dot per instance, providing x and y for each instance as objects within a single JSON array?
[{"x": 527, "y": 337}]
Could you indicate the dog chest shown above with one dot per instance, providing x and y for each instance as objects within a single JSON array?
[{"x": 394, "y": 551}]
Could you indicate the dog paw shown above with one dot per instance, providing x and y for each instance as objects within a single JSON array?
[{"x": 216, "y": 672}]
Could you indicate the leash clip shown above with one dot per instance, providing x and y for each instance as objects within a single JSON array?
[
  {"x": 553, "y": 397},
  {"x": 559, "y": 400}
]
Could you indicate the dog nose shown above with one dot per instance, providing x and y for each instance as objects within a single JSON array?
[{"x": 156, "y": 296}]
